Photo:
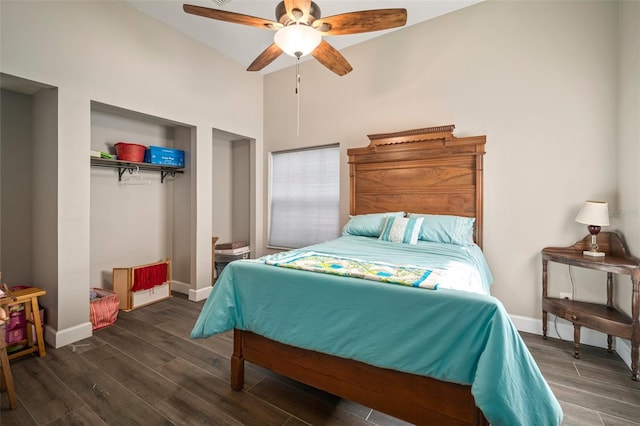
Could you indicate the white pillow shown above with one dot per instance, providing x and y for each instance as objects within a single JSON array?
[
  {"x": 401, "y": 229},
  {"x": 446, "y": 228}
]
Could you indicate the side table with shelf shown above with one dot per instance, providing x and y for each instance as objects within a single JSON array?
[
  {"x": 222, "y": 260},
  {"x": 601, "y": 317}
]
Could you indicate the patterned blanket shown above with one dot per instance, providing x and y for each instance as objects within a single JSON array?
[{"x": 414, "y": 276}]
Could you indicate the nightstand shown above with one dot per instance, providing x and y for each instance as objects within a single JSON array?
[{"x": 602, "y": 317}]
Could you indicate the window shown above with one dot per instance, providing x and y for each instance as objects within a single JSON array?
[{"x": 305, "y": 196}]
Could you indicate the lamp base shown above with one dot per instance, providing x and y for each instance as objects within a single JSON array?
[{"x": 593, "y": 253}]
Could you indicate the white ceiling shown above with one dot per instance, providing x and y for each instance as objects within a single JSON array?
[{"x": 243, "y": 43}]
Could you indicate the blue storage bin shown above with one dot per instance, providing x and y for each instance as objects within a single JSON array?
[{"x": 163, "y": 155}]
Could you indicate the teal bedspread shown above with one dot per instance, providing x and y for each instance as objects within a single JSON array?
[{"x": 456, "y": 336}]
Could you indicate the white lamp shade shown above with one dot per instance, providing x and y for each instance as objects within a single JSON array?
[
  {"x": 594, "y": 213},
  {"x": 297, "y": 40}
]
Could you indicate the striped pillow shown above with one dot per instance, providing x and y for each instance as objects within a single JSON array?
[{"x": 401, "y": 229}]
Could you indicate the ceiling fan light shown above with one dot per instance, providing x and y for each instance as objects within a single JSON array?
[{"x": 297, "y": 40}]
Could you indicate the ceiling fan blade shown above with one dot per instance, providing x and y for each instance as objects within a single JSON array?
[
  {"x": 304, "y": 6},
  {"x": 265, "y": 58},
  {"x": 235, "y": 18},
  {"x": 328, "y": 56},
  {"x": 361, "y": 22}
]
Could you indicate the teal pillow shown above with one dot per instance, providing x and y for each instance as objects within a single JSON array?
[
  {"x": 367, "y": 225},
  {"x": 401, "y": 229},
  {"x": 446, "y": 228}
]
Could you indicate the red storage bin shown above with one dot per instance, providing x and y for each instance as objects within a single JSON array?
[
  {"x": 130, "y": 152},
  {"x": 17, "y": 317},
  {"x": 103, "y": 310},
  {"x": 16, "y": 328},
  {"x": 14, "y": 336}
]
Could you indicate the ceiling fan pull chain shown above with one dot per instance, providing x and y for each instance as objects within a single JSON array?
[{"x": 298, "y": 94}]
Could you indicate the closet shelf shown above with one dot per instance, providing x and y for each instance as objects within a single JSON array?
[{"x": 131, "y": 166}]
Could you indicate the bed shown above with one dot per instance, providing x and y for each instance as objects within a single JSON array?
[{"x": 425, "y": 355}]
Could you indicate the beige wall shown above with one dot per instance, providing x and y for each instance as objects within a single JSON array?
[
  {"x": 46, "y": 215},
  {"x": 628, "y": 147},
  {"x": 16, "y": 182},
  {"x": 241, "y": 188},
  {"x": 629, "y": 124},
  {"x": 130, "y": 220},
  {"x": 538, "y": 78},
  {"x": 543, "y": 80},
  {"x": 111, "y": 53},
  {"x": 231, "y": 188},
  {"x": 222, "y": 194}
]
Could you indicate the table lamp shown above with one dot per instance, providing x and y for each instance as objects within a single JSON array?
[{"x": 595, "y": 214}]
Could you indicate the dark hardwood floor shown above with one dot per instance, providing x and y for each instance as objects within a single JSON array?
[{"x": 144, "y": 370}]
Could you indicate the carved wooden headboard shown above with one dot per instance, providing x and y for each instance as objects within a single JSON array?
[{"x": 419, "y": 171}]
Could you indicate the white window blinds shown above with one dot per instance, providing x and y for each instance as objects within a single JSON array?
[{"x": 305, "y": 196}]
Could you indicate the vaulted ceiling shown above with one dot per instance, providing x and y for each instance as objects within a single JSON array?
[{"x": 243, "y": 43}]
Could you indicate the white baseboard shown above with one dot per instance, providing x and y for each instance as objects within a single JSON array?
[
  {"x": 562, "y": 329},
  {"x": 180, "y": 287},
  {"x": 200, "y": 294},
  {"x": 623, "y": 349},
  {"x": 556, "y": 328},
  {"x": 60, "y": 338},
  {"x": 194, "y": 295}
]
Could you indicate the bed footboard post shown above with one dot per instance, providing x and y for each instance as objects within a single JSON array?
[
  {"x": 481, "y": 420},
  {"x": 237, "y": 362}
]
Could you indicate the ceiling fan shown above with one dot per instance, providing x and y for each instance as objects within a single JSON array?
[{"x": 299, "y": 29}]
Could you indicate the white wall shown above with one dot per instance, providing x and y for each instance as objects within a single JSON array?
[
  {"x": 539, "y": 79},
  {"x": 111, "y": 53}
]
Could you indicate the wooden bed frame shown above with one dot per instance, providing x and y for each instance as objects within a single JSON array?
[{"x": 419, "y": 171}]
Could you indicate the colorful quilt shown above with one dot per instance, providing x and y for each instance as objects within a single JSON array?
[{"x": 414, "y": 276}]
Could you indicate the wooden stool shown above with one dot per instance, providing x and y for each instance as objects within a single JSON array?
[
  {"x": 6, "y": 379},
  {"x": 28, "y": 297}
]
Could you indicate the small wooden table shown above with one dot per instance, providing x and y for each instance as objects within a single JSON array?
[
  {"x": 28, "y": 297},
  {"x": 605, "y": 318}
]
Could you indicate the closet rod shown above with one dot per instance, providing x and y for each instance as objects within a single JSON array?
[{"x": 123, "y": 166}]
